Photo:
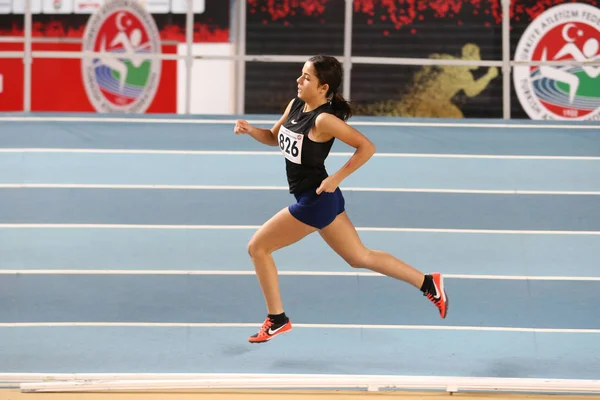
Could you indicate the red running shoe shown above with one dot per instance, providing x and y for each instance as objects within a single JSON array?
[
  {"x": 269, "y": 330},
  {"x": 439, "y": 298}
]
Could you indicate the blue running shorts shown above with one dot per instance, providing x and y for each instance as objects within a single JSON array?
[{"x": 318, "y": 210}]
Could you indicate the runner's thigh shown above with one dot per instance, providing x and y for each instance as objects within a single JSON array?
[{"x": 280, "y": 231}]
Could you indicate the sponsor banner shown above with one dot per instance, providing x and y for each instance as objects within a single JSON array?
[
  {"x": 57, "y": 6},
  {"x": 11, "y": 75},
  {"x": 86, "y": 6},
  {"x": 89, "y": 6},
  {"x": 568, "y": 32},
  {"x": 457, "y": 29},
  {"x": 68, "y": 18},
  {"x": 57, "y": 84}
]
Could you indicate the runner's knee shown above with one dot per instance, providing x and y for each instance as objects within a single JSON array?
[
  {"x": 256, "y": 249},
  {"x": 359, "y": 258}
]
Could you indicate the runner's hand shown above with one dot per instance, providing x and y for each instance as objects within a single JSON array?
[
  {"x": 328, "y": 185},
  {"x": 242, "y": 127}
]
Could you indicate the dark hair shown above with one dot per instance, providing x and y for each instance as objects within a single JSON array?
[{"x": 329, "y": 71}]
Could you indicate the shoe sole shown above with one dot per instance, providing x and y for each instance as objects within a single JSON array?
[{"x": 444, "y": 296}]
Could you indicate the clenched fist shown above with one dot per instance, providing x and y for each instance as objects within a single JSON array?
[{"x": 242, "y": 127}]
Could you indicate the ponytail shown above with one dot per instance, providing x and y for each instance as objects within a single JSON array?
[{"x": 341, "y": 107}]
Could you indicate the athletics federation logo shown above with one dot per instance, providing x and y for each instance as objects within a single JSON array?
[
  {"x": 127, "y": 84},
  {"x": 562, "y": 33}
]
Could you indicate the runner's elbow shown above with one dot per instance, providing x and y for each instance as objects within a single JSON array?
[{"x": 369, "y": 148}]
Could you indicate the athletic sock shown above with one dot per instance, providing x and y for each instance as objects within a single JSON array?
[
  {"x": 278, "y": 319},
  {"x": 428, "y": 286}
]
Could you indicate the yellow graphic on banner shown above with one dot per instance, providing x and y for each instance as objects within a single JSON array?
[{"x": 433, "y": 87}]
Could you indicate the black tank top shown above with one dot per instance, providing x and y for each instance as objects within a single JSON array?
[{"x": 304, "y": 158}]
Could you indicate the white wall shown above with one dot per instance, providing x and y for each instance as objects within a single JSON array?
[{"x": 213, "y": 90}]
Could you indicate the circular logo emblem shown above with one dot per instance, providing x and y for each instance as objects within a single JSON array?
[
  {"x": 121, "y": 84},
  {"x": 568, "y": 32}
]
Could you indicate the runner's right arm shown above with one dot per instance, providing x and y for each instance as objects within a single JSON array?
[{"x": 264, "y": 136}]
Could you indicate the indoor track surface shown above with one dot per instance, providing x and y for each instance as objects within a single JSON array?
[{"x": 123, "y": 250}]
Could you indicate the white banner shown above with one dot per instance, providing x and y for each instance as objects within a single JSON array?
[
  {"x": 57, "y": 6},
  {"x": 86, "y": 6},
  {"x": 89, "y": 6},
  {"x": 181, "y": 6},
  {"x": 18, "y": 6},
  {"x": 156, "y": 6},
  {"x": 5, "y": 6}
]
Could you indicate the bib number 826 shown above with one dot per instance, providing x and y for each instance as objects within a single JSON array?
[{"x": 288, "y": 145}]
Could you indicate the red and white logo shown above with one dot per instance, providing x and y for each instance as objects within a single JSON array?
[
  {"x": 124, "y": 84},
  {"x": 568, "y": 32}
]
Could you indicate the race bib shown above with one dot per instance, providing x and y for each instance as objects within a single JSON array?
[{"x": 290, "y": 144}]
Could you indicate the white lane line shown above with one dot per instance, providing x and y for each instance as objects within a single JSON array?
[
  {"x": 277, "y": 153},
  {"x": 285, "y": 188},
  {"x": 254, "y": 227},
  {"x": 296, "y": 325},
  {"x": 281, "y": 272},
  {"x": 272, "y": 121}
]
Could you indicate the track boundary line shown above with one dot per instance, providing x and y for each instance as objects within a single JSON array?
[
  {"x": 296, "y": 325},
  {"x": 251, "y": 120},
  {"x": 285, "y": 188},
  {"x": 254, "y": 227},
  {"x": 278, "y": 153},
  {"x": 280, "y": 272}
]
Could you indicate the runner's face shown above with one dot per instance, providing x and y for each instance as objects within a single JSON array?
[{"x": 309, "y": 87}]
